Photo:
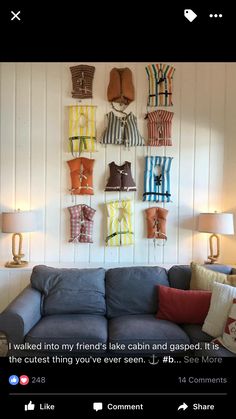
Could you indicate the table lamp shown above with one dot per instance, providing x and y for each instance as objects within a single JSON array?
[
  {"x": 215, "y": 223},
  {"x": 18, "y": 222}
]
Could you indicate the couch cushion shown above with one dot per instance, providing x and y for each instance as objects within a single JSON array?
[
  {"x": 145, "y": 329},
  {"x": 70, "y": 291},
  {"x": 195, "y": 333},
  {"x": 180, "y": 275},
  {"x": 69, "y": 328},
  {"x": 132, "y": 290}
]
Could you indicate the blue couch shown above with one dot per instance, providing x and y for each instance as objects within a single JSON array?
[{"x": 88, "y": 311}]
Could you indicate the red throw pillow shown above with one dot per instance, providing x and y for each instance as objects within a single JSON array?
[{"x": 181, "y": 306}]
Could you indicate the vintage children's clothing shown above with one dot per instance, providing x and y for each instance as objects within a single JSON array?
[
  {"x": 81, "y": 223},
  {"x": 120, "y": 88},
  {"x": 82, "y": 129},
  {"x": 159, "y": 128},
  {"x": 81, "y": 172},
  {"x": 120, "y": 178},
  {"x": 157, "y": 179},
  {"x": 82, "y": 80},
  {"x": 122, "y": 130},
  {"x": 156, "y": 223},
  {"x": 160, "y": 78},
  {"x": 119, "y": 223}
]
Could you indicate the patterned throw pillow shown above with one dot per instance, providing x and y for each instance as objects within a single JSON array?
[
  {"x": 228, "y": 340},
  {"x": 221, "y": 302}
]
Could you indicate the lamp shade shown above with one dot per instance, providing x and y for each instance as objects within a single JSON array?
[
  {"x": 218, "y": 223},
  {"x": 19, "y": 222}
]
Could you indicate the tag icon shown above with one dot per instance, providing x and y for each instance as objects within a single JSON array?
[{"x": 190, "y": 14}]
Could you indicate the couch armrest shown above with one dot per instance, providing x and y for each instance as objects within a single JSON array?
[{"x": 21, "y": 315}]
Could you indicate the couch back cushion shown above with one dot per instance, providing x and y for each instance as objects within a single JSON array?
[
  {"x": 180, "y": 275},
  {"x": 132, "y": 290},
  {"x": 70, "y": 291}
]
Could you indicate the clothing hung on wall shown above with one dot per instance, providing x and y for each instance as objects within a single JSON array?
[
  {"x": 156, "y": 223},
  {"x": 82, "y": 129},
  {"x": 160, "y": 78},
  {"x": 159, "y": 128},
  {"x": 120, "y": 88},
  {"x": 81, "y": 223},
  {"x": 120, "y": 178},
  {"x": 122, "y": 130},
  {"x": 82, "y": 80},
  {"x": 81, "y": 172},
  {"x": 157, "y": 178},
  {"x": 119, "y": 223}
]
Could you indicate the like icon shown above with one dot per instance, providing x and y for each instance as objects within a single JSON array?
[
  {"x": 13, "y": 380},
  {"x": 24, "y": 380},
  {"x": 29, "y": 406}
]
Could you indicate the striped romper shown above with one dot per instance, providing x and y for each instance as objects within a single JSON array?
[
  {"x": 122, "y": 130},
  {"x": 119, "y": 223},
  {"x": 157, "y": 179}
]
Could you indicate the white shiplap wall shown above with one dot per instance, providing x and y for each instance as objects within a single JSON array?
[
  {"x": 229, "y": 191},
  {"x": 34, "y": 174}
]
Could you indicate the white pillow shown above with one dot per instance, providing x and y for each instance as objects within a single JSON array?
[
  {"x": 221, "y": 302},
  {"x": 228, "y": 340}
]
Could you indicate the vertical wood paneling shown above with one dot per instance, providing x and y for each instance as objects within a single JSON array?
[
  {"x": 15, "y": 277},
  {"x": 97, "y": 200},
  {"x": 22, "y": 143},
  {"x": 126, "y": 253},
  {"x": 112, "y": 154},
  {"x": 53, "y": 162},
  {"x": 217, "y": 126},
  {"x": 229, "y": 184},
  {"x": 4, "y": 289},
  {"x": 24, "y": 279},
  {"x": 38, "y": 172},
  {"x": 34, "y": 172},
  {"x": 170, "y": 248},
  {"x": 7, "y": 168},
  {"x": 201, "y": 157},
  {"x": 67, "y": 250},
  {"x": 186, "y": 162},
  {"x": 82, "y": 249},
  {"x": 141, "y": 245}
]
